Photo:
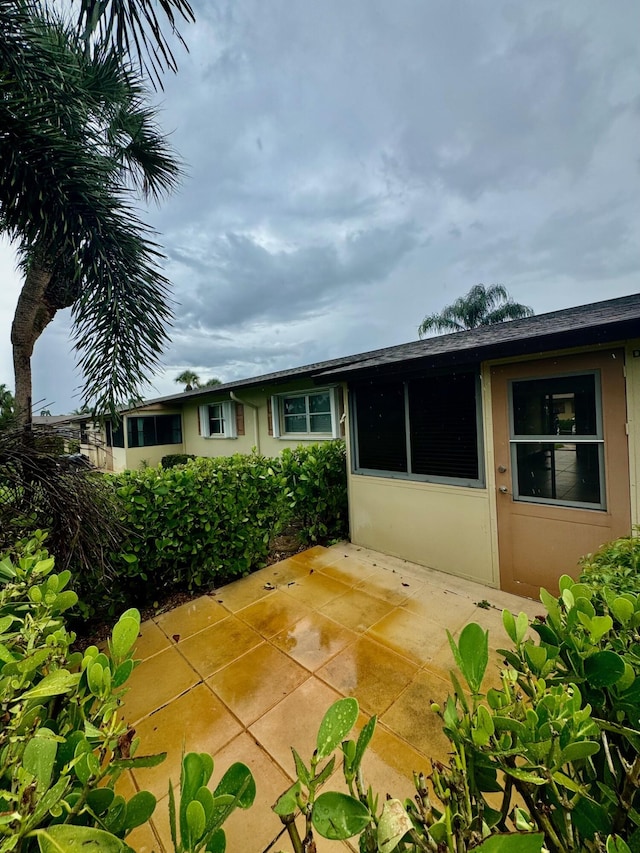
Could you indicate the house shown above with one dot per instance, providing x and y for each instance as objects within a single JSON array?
[{"x": 500, "y": 455}]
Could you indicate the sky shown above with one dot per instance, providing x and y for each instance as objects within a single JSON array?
[{"x": 353, "y": 166}]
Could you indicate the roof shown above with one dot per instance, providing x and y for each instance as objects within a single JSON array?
[{"x": 595, "y": 323}]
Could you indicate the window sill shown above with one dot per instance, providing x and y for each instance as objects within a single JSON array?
[
  {"x": 218, "y": 437},
  {"x": 306, "y": 436}
]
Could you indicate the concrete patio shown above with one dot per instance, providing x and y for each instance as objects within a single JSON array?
[{"x": 249, "y": 671}]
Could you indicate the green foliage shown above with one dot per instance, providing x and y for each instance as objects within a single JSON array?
[
  {"x": 197, "y": 822},
  {"x": 194, "y": 524},
  {"x": 207, "y": 521},
  {"x": 317, "y": 483},
  {"x": 616, "y": 565},
  {"x": 549, "y": 758},
  {"x": 62, "y": 745},
  {"x": 173, "y": 459}
]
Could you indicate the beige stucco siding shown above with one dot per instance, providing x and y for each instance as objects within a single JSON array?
[
  {"x": 444, "y": 527},
  {"x": 633, "y": 420},
  {"x": 267, "y": 444}
]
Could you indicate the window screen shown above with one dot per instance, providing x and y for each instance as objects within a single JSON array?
[
  {"x": 380, "y": 419},
  {"x": 444, "y": 426}
]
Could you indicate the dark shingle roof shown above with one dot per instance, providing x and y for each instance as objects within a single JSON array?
[{"x": 597, "y": 322}]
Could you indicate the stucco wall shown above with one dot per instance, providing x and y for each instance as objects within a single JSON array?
[
  {"x": 267, "y": 444},
  {"x": 444, "y": 527}
]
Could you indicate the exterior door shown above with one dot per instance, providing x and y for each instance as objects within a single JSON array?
[{"x": 562, "y": 466}]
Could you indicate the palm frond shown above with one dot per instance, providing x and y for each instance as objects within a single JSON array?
[{"x": 133, "y": 28}]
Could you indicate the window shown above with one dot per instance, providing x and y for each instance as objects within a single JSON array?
[
  {"x": 422, "y": 428},
  {"x": 309, "y": 413},
  {"x": 218, "y": 420},
  {"x": 557, "y": 441},
  {"x": 153, "y": 430}
]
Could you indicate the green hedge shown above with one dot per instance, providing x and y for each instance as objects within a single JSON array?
[{"x": 210, "y": 520}]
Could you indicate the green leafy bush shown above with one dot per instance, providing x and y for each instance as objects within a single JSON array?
[
  {"x": 317, "y": 484},
  {"x": 173, "y": 459},
  {"x": 194, "y": 524},
  {"x": 616, "y": 565},
  {"x": 62, "y": 744},
  {"x": 210, "y": 520}
]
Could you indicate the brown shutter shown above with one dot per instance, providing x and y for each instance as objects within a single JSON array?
[
  {"x": 239, "y": 419},
  {"x": 269, "y": 416},
  {"x": 199, "y": 421}
]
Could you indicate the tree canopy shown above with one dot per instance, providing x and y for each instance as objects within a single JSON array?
[
  {"x": 481, "y": 306},
  {"x": 191, "y": 380},
  {"x": 78, "y": 141}
]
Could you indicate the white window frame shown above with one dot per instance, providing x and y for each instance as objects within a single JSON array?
[
  {"x": 278, "y": 420},
  {"x": 228, "y": 420}
]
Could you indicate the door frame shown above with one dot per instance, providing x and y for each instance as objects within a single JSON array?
[{"x": 610, "y": 522}]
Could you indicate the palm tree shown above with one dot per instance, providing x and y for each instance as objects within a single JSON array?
[
  {"x": 189, "y": 379},
  {"x": 211, "y": 383},
  {"x": 76, "y": 138},
  {"x": 481, "y": 306}
]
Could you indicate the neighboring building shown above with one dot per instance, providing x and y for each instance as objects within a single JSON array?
[{"x": 500, "y": 454}]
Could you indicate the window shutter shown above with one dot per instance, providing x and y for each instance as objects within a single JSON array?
[
  {"x": 269, "y": 416},
  {"x": 239, "y": 419},
  {"x": 199, "y": 420}
]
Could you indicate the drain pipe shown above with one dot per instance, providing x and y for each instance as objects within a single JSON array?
[{"x": 255, "y": 408}]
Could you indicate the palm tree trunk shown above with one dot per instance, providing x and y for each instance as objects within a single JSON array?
[{"x": 32, "y": 316}]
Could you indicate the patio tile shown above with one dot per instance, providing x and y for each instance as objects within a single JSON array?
[
  {"x": 143, "y": 839},
  {"x": 294, "y": 722},
  {"x": 313, "y": 640},
  {"x": 191, "y": 617},
  {"x": 316, "y": 557},
  {"x": 276, "y": 613},
  {"x": 316, "y": 589},
  {"x": 155, "y": 682},
  {"x": 444, "y": 608},
  {"x": 390, "y": 586},
  {"x": 356, "y": 610},
  {"x": 197, "y": 721},
  {"x": 151, "y": 640},
  {"x": 252, "y": 830},
  {"x": 243, "y": 592},
  {"x": 285, "y": 572},
  {"x": 389, "y": 763},
  {"x": 371, "y": 673},
  {"x": 411, "y": 718},
  {"x": 256, "y": 682},
  {"x": 348, "y": 570},
  {"x": 218, "y": 646},
  {"x": 409, "y": 635}
]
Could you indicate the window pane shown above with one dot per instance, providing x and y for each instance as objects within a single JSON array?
[
  {"x": 216, "y": 419},
  {"x": 168, "y": 429},
  {"x": 295, "y": 423},
  {"x": 319, "y": 403},
  {"x": 562, "y": 405},
  {"x": 320, "y": 423},
  {"x": 444, "y": 426},
  {"x": 381, "y": 426},
  {"x": 117, "y": 434},
  {"x": 294, "y": 405},
  {"x": 565, "y": 473}
]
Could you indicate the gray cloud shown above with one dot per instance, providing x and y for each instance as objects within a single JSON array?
[{"x": 355, "y": 166}]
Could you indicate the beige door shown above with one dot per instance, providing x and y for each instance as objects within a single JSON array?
[{"x": 562, "y": 467}]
